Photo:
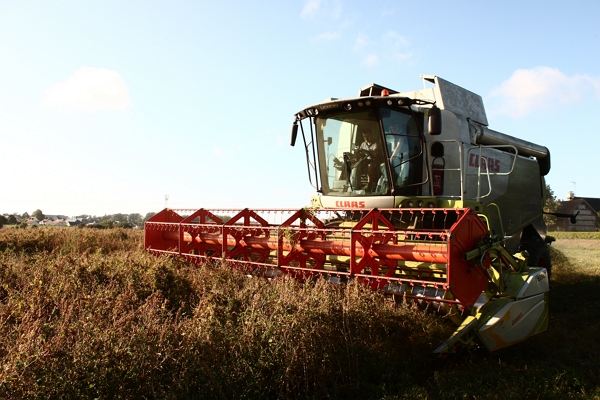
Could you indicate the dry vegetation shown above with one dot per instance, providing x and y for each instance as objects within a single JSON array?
[{"x": 88, "y": 314}]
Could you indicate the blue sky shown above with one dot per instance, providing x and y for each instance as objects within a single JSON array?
[{"x": 106, "y": 107}]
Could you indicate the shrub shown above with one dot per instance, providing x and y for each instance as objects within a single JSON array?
[{"x": 88, "y": 313}]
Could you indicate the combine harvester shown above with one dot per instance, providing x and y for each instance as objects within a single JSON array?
[{"x": 416, "y": 197}]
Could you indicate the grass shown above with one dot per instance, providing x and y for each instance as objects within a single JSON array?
[
  {"x": 582, "y": 253},
  {"x": 88, "y": 314},
  {"x": 576, "y": 235}
]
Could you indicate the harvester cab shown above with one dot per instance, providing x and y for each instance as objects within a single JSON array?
[
  {"x": 430, "y": 148},
  {"x": 416, "y": 197}
]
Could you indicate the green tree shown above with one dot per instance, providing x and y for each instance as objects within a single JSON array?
[
  {"x": 551, "y": 204},
  {"x": 149, "y": 215},
  {"x": 3, "y": 220},
  {"x": 24, "y": 217},
  {"x": 38, "y": 214},
  {"x": 135, "y": 219},
  {"x": 117, "y": 218},
  {"x": 12, "y": 220}
]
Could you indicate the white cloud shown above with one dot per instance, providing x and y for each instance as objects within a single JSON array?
[
  {"x": 391, "y": 48},
  {"x": 217, "y": 151},
  {"x": 397, "y": 47},
  {"x": 310, "y": 8},
  {"x": 336, "y": 11},
  {"x": 314, "y": 9},
  {"x": 396, "y": 41},
  {"x": 361, "y": 41},
  {"x": 89, "y": 89},
  {"x": 326, "y": 36},
  {"x": 538, "y": 88},
  {"x": 371, "y": 60}
]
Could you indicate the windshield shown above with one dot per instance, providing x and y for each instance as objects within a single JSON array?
[
  {"x": 404, "y": 151},
  {"x": 353, "y": 152}
]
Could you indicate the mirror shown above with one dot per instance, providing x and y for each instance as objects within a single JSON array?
[
  {"x": 294, "y": 134},
  {"x": 435, "y": 121}
]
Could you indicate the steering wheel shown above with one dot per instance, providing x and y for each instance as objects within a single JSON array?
[{"x": 362, "y": 153}]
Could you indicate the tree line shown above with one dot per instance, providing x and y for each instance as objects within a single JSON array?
[
  {"x": 107, "y": 221},
  {"x": 551, "y": 204}
]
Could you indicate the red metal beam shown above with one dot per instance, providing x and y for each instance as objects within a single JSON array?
[{"x": 303, "y": 245}]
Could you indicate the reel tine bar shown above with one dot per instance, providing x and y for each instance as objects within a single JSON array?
[{"x": 418, "y": 252}]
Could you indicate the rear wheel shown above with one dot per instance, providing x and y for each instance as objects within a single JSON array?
[{"x": 539, "y": 256}]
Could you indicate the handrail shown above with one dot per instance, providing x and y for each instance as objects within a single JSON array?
[{"x": 483, "y": 161}]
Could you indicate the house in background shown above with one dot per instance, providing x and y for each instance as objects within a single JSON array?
[
  {"x": 587, "y": 220},
  {"x": 32, "y": 221},
  {"x": 73, "y": 222},
  {"x": 56, "y": 217},
  {"x": 59, "y": 222}
]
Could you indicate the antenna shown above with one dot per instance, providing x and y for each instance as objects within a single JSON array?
[
  {"x": 166, "y": 201},
  {"x": 574, "y": 188}
]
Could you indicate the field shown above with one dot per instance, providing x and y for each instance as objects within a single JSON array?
[{"x": 88, "y": 314}]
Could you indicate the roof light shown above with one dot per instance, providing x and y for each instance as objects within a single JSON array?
[{"x": 385, "y": 92}]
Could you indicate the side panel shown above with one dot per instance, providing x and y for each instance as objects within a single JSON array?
[
  {"x": 515, "y": 322},
  {"x": 517, "y": 197},
  {"x": 508, "y": 186}
]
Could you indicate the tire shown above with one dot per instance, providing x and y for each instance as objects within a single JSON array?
[{"x": 539, "y": 256}]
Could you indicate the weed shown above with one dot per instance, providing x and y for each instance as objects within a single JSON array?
[{"x": 88, "y": 314}]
